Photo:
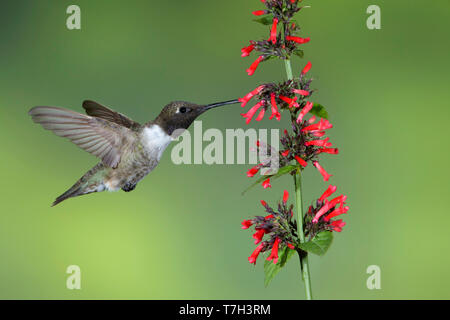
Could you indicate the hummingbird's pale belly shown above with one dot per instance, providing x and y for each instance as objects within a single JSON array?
[{"x": 139, "y": 161}]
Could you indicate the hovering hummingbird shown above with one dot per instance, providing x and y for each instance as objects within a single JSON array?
[{"x": 128, "y": 150}]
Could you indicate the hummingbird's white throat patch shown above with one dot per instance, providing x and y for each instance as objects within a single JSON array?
[{"x": 155, "y": 140}]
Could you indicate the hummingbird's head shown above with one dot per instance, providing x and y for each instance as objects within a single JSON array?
[{"x": 181, "y": 114}]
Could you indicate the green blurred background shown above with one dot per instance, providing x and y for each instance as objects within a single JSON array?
[{"x": 178, "y": 236}]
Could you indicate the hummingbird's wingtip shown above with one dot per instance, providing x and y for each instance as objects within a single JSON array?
[{"x": 30, "y": 112}]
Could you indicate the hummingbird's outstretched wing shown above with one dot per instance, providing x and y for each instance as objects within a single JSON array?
[
  {"x": 102, "y": 138},
  {"x": 95, "y": 109}
]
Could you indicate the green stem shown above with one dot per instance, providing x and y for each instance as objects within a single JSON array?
[
  {"x": 302, "y": 254},
  {"x": 287, "y": 64},
  {"x": 298, "y": 196}
]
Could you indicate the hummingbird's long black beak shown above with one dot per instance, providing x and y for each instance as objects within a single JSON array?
[{"x": 219, "y": 104}]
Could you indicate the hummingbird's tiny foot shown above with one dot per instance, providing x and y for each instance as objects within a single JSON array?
[{"x": 129, "y": 187}]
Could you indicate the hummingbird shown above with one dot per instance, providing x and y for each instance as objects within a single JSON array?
[{"x": 128, "y": 150}]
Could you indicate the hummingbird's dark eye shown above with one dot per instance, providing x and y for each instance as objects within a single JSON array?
[{"x": 182, "y": 110}]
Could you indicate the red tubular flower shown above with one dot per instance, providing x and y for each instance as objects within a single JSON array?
[
  {"x": 258, "y": 235},
  {"x": 319, "y": 143},
  {"x": 260, "y": 115},
  {"x": 301, "y": 161},
  {"x": 251, "y": 172},
  {"x": 254, "y": 65},
  {"x": 323, "y": 124},
  {"x": 266, "y": 184},
  {"x": 275, "y": 112},
  {"x": 328, "y": 150},
  {"x": 301, "y": 92},
  {"x": 338, "y": 225},
  {"x": 307, "y": 108},
  {"x": 318, "y": 134},
  {"x": 336, "y": 212},
  {"x": 307, "y": 68},
  {"x": 264, "y": 203},
  {"x": 331, "y": 189},
  {"x": 255, "y": 254},
  {"x": 285, "y": 153},
  {"x": 321, "y": 212},
  {"x": 273, "y": 31},
  {"x": 259, "y": 12},
  {"x": 247, "y": 50},
  {"x": 289, "y": 101},
  {"x": 285, "y": 196},
  {"x": 250, "y": 113},
  {"x": 299, "y": 40},
  {"x": 322, "y": 171},
  {"x": 274, "y": 254},
  {"x": 341, "y": 199},
  {"x": 250, "y": 95},
  {"x": 312, "y": 119},
  {"x": 290, "y": 246},
  {"x": 246, "y": 224},
  {"x": 270, "y": 216}
]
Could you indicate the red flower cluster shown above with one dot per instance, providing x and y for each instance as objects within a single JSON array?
[
  {"x": 304, "y": 145},
  {"x": 275, "y": 46},
  {"x": 273, "y": 94},
  {"x": 307, "y": 142},
  {"x": 279, "y": 228},
  {"x": 319, "y": 218},
  {"x": 262, "y": 103}
]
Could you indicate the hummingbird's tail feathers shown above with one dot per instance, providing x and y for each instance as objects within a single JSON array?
[
  {"x": 91, "y": 181},
  {"x": 66, "y": 195}
]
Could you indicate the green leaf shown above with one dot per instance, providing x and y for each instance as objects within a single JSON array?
[
  {"x": 265, "y": 20},
  {"x": 281, "y": 172},
  {"x": 271, "y": 269},
  {"x": 319, "y": 110},
  {"x": 319, "y": 244},
  {"x": 299, "y": 52}
]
